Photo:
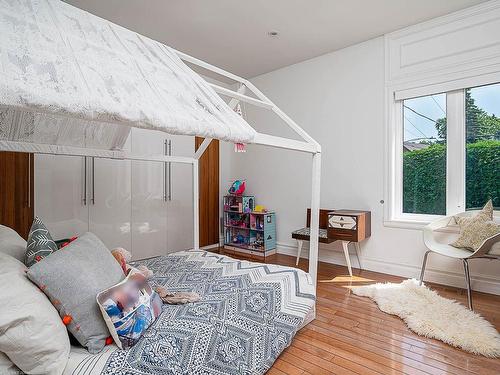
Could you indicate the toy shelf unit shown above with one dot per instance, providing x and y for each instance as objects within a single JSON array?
[{"x": 251, "y": 233}]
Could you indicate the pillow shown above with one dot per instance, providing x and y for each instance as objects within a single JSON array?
[
  {"x": 129, "y": 308},
  {"x": 12, "y": 243},
  {"x": 71, "y": 278},
  {"x": 31, "y": 332},
  {"x": 474, "y": 233},
  {"x": 476, "y": 229},
  {"x": 40, "y": 243},
  {"x": 7, "y": 367}
]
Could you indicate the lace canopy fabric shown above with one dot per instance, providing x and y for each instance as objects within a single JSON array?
[{"x": 68, "y": 77}]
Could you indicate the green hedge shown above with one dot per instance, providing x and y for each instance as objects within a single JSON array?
[{"x": 424, "y": 177}]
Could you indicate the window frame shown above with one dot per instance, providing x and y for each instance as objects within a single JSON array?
[{"x": 455, "y": 157}]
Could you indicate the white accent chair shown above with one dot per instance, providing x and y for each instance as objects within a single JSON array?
[{"x": 448, "y": 224}]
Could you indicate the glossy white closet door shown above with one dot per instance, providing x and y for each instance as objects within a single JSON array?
[
  {"x": 109, "y": 201},
  {"x": 59, "y": 194},
  {"x": 149, "y": 209},
  {"x": 180, "y": 204}
]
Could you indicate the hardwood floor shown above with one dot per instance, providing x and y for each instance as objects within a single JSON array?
[{"x": 350, "y": 335}]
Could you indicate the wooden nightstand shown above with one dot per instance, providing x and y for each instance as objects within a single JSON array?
[{"x": 349, "y": 226}]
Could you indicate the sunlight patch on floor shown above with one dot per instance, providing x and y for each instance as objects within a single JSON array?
[{"x": 346, "y": 279}]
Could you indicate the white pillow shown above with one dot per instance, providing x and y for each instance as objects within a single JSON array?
[
  {"x": 12, "y": 243},
  {"x": 32, "y": 334},
  {"x": 7, "y": 367}
]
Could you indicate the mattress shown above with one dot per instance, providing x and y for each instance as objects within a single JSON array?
[{"x": 248, "y": 314}]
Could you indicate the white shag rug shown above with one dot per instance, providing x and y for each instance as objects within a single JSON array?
[{"x": 430, "y": 315}]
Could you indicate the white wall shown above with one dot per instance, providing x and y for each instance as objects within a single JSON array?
[{"x": 338, "y": 99}]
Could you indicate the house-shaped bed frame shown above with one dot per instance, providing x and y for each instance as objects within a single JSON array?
[{"x": 307, "y": 144}]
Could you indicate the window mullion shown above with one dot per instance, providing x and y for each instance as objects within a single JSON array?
[{"x": 455, "y": 145}]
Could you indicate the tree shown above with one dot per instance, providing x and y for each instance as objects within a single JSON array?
[{"x": 480, "y": 126}]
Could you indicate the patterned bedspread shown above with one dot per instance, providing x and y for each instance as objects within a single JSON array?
[{"x": 249, "y": 312}]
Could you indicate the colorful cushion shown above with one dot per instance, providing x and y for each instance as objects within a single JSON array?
[
  {"x": 40, "y": 243},
  {"x": 476, "y": 229},
  {"x": 31, "y": 333},
  {"x": 12, "y": 243},
  {"x": 71, "y": 278},
  {"x": 129, "y": 308}
]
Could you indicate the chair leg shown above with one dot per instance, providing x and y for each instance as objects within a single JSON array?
[
  {"x": 467, "y": 281},
  {"x": 299, "y": 250},
  {"x": 424, "y": 263}
]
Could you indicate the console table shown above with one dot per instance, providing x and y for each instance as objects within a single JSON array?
[{"x": 347, "y": 226}]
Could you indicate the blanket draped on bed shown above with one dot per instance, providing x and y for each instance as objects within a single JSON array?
[{"x": 248, "y": 313}]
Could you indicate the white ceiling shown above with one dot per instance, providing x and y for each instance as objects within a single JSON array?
[{"x": 232, "y": 34}]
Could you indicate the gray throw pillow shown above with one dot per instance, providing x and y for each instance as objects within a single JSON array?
[
  {"x": 71, "y": 278},
  {"x": 40, "y": 243}
]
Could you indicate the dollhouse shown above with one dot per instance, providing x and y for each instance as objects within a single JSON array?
[{"x": 247, "y": 231}]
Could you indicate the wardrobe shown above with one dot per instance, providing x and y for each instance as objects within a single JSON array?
[{"x": 145, "y": 207}]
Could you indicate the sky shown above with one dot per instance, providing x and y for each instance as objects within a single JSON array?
[{"x": 434, "y": 107}]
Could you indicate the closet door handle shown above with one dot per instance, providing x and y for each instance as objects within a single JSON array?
[
  {"x": 93, "y": 181},
  {"x": 169, "y": 171},
  {"x": 165, "y": 152},
  {"x": 29, "y": 181},
  {"x": 84, "y": 200}
]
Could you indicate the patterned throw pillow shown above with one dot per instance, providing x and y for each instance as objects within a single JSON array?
[
  {"x": 476, "y": 229},
  {"x": 40, "y": 243},
  {"x": 129, "y": 308}
]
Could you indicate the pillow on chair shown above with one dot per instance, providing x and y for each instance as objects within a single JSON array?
[{"x": 476, "y": 229}]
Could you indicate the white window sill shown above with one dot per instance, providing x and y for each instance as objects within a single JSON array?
[
  {"x": 405, "y": 224},
  {"x": 416, "y": 223}
]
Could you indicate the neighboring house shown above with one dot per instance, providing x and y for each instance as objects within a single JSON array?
[{"x": 412, "y": 146}]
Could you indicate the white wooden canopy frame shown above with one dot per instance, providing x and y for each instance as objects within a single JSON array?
[
  {"x": 308, "y": 145},
  {"x": 40, "y": 40}
]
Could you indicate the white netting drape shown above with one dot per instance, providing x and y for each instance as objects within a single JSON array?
[{"x": 69, "y": 77}]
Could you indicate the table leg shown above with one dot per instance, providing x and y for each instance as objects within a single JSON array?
[
  {"x": 345, "y": 246},
  {"x": 299, "y": 250},
  {"x": 358, "y": 252}
]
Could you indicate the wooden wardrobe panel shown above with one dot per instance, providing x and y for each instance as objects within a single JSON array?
[
  {"x": 209, "y": 193},
  {"x": 16, "y": 191}
]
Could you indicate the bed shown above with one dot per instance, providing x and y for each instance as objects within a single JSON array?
[
  {"x": 74, "y": 84},
  {"x": 248, "y": 314}
]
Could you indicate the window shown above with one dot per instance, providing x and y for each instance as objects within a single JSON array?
[
  {"x": 424, "y": 155},
  {"x": 482, "y": 163},
  {"x": 447, "y": 153}
]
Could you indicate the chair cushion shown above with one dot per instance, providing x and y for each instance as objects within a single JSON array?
[
  {"x": 71, "y": 278},
  {"x": 476, "y": 229}
]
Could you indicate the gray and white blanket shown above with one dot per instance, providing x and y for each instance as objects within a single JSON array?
[{"x": 248, "y": 314}]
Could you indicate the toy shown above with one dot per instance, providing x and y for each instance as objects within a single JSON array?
[
  {"x": 260, "y": 208},
  {"x": 239, "y": 239},
  {"x": 123, "y": 256},
  {"x": 237, "y": 188}
]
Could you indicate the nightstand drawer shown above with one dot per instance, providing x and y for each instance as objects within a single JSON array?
[
  {"x": 349, "y": 225},
  {"x": 342, "y": 222}
]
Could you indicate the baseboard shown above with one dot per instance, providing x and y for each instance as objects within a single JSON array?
[
  {"x": 479, "y": 283},
  {"x": 209, "y": 247}
]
